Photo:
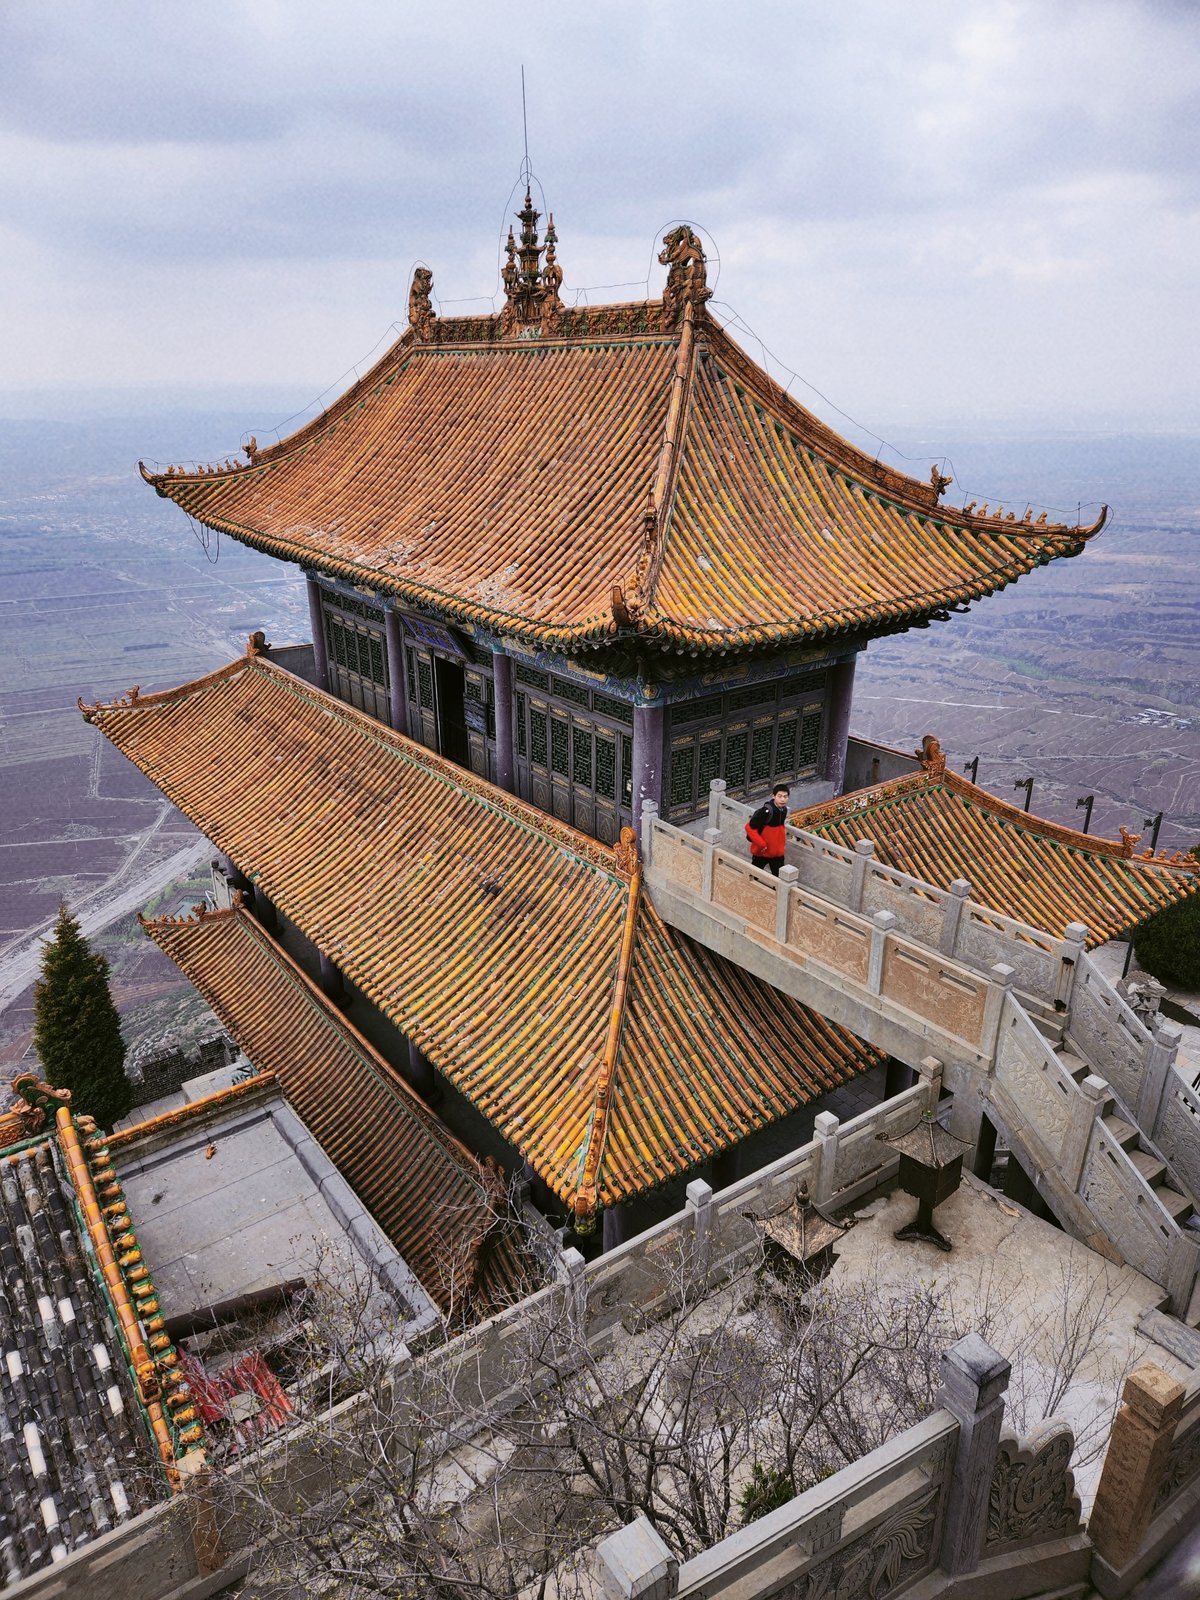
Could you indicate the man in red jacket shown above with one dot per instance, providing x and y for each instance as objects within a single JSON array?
[{"x": 767, "y": 831}]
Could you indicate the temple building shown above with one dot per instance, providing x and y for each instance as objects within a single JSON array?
[
  {"x": 566, "y": 567},
  {"x": 596, "y": 555}
]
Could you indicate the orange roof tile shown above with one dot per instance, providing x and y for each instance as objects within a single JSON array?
[
  {"x": 938, "y": 827},
  {"x": 443, "y": 1209},
  {"x": 486, "y": 931},
  {"x": 618, "y": 478}
]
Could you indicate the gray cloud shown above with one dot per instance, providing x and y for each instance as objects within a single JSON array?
[{"x": 238, "y": 190}]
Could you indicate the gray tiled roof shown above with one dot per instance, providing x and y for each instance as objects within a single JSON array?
[{"x": 75, "y": 1454}]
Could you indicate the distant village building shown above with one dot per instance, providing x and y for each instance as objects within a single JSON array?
[{"x": 569, "y": 567}]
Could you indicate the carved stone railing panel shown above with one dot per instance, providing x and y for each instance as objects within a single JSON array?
[
  {"x": 869, "y": 1531},
  {"x": 1032, "y": 1496},
  {"x": 748, "y": 893},
  {"x": 1177, "y": 1130},
  {"x": 1035, "y": 1079},
  {"x": 919, "y": 907},
  {"x": 923, "y": 982},
  {"x": 1107, "y": 1033},
  {"x": 1126, "y": 1207},
  {"x": 1183, "y": 1460},
  {"x": 825, "y": 933},
  {"x": 985, "y": 937}
]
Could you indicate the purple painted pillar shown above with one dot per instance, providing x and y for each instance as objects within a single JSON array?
[
  {"x": 841, "y": 693},
  {"x": 316, "y": 622},
  {"x": 648, "y": 725},
  {"x": 393, "y": 636},
  {"x": 502, "y": 690}
]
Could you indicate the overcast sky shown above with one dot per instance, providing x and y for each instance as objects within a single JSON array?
[{"x": 928, "y": 209}]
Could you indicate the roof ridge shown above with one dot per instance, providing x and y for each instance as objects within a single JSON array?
[
  {"x": 637, "y": 597},
  {"x": 584, "y": 1204}
]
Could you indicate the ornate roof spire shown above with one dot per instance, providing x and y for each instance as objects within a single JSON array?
[{"x": 531, "y": 290}]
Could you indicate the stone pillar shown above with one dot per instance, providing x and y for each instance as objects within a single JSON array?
[
  {"x": 393, "y": 635},
  {"x": 826, "y": 1134},
  {"x": 649, "y": 723},
  {"x": 837, "y": 732},
  {"x": 788, "y": 875},
  {"x": 1135, "y": 1464},
  {"x": 502, "y": 689},
  {"x": 974, "y": 1378},
  {"x": 1157, "y": 1071},
  {"x": 263, "y": 909},
  {"x": 1085, "y": 1107},
  {"x": 331, "y": 979},
  {"x": 882, "y": 923},
  {"x": 614, "y": 1227},
  {"x": 635, "y": 1563},
  {"x": 864, "y": 851},
  {"x": 420, "y": 1073},
  {"x": 316, "y": 622},
  {"x": 897, "y": 1077},
  {"x": 985, "y": 1149},
  {"x": 952, "y": 908}
]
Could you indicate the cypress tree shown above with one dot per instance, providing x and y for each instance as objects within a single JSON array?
[
  {"x": 1168, "y": 945},
  {"x": 76, "y": 1030}
]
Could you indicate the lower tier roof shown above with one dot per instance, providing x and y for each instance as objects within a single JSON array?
[
  {"x": 937, "y": 826},
  {"x": 443, "y": 1210},
  {"x": 611, "y": 1051}
]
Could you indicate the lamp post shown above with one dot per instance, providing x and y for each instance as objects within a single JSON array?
[
  {"x": 972, "y": 767},
  {"x": 1154, "y": 824},
  {"x": 1027, "y": 785},
  {"x": 1087, "y": 801}
]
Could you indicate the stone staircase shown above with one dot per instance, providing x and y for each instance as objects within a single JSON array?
[{"x": 1028, "y": 1029}]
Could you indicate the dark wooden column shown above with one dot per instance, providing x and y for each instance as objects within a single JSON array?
[
  {"x": 896, "y": 1078},
  {"x": 985, "y": 1149},
  {"x": 316, "y": 622},
  {"x": 841, "y": 694},
  {"x": 648, "y": 727},
  {"x": 420, "y": 1073},
  {"x": 502, "y": 692},
  {"x": 398, "y": 702}
]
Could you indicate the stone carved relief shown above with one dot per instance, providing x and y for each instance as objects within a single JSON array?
[
  {"x": 1183, "y": 1467},
  {"x": 884, "y": 1559},
  {"x": 1033, "y": 1489}
]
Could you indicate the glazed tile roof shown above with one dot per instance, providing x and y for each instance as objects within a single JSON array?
[
  {"x": 518, "y": 954},
  {"x": 91, "y": 1407},
  {"x": 620, "y": 478},
  {"x": 443, "y": 1210},
  {"x": 938, "y": 827}
]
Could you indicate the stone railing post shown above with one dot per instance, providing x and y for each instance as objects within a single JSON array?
[
  {"x": 635, "y": 1563},
  {"x": 716, "y": 793},
  {"x": 1091, "y": 1102},
  {"x": 826, "y": 1132},
  {"x": 712, "y": 843},
  {"x": 864, "y": 849},
  {"x": 952, "y": 910},
  {"x": 1158, "y": 1063},
  {"x": 882, "y": 923},
  {"x": 974, "y": 1378},
  {"x": 649, "y": 818},
  {"x": 1070, "y": 948},
  {"x": 1002, "y": 976},
  {"x": 1135, "y": 1464},
  {"x": 787, "y": 877},
  {"x": 570, "y": 1270},
  {"x": 930, "y": 1072},
  {"x": 698, "y": 1206}
]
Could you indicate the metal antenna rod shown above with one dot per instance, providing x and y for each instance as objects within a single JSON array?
[{"x": 525, "y": 168}]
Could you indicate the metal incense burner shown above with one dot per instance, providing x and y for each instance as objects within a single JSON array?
[{"x": 930, "y": 1170}]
